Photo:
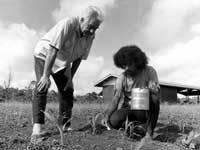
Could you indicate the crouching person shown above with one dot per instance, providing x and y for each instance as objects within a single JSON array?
[
  {"x": 136, "y": 74},
  {"x": 59, "y": 54}
]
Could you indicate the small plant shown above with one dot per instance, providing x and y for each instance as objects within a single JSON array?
[
  {"x": 60, "y": 127},
  {"x": 93, "y": 122},
  {"x": 188, "y": 140},
  {"x": 127, "y": 126},
  {"x": 6, "y": 118},
  {"x": 97, "y": 123},
  {"x": 140, "y": 144},
  {"x": 131, "y": 129}
]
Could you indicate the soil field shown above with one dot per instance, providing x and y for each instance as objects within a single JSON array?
[{"x": 175, "y": 121}]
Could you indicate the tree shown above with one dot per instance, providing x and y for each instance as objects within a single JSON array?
[
  {"x": 89, "y": 98},
  {"x": 7, "y": 84},
  {"x": 30, "y": 91},
  {"x": 52, "y": 96},
  {"x": 1, "y": 93}
]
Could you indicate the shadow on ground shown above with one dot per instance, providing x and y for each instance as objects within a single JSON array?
[{"x": 170, "y": 133}]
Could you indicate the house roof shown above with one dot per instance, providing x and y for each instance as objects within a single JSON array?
[
  {"x": 184, "y": 86},
  {"x": 101, "y": 82},
  {"x": 184, "y": 89},
  {"x": 181, "y": 88}
]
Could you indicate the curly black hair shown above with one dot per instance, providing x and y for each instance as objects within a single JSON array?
[{"x": 128, "y": 55}]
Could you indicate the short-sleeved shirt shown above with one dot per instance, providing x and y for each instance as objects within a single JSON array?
[
  {"x": 65, "y": 36},
  {"x": 125, "y": 83}
]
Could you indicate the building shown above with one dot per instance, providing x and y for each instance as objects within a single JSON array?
[{"x": 169, "y": 91}]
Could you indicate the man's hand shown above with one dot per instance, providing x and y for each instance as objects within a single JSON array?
[
  {"x": 43, "y": 84},
  {"x": 153, "y": 87},
  {"x": 106, "y": 123}
]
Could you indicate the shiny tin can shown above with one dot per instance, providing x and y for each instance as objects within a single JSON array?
[{"x": 140, "y": 99}]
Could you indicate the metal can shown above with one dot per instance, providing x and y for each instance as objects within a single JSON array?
[{"x": 140, "y": 99}]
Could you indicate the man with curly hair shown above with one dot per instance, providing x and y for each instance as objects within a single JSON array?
[
  {"x": 137, "y": 74},
  {"x": 59, "y": 54}
]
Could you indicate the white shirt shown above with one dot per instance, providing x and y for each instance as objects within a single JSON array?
[{"x": 65, "y": 37}]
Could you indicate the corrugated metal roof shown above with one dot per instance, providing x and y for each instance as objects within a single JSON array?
[
  {"x": 185, "y": 86},
  {"x": 179, "y": 86},
  {"x": 101, "y": 82}
]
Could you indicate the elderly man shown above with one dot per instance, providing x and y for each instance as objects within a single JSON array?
[{"x": 59, "y": 54}]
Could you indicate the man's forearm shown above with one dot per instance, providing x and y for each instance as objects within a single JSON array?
[
  {"x": 153, "y": 112},
  {"x": 112, "y": 106},
  {"x": 49, "y": 61}
]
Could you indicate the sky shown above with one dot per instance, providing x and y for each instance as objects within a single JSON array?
[{"x": 168, "y": 31}]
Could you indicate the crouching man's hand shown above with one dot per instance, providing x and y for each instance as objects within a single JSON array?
[
  {"x": 105, "y": 122},
  {"x": 153, "y": 87}
]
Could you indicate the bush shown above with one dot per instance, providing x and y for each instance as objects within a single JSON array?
[{"x": 89, "y": 98}]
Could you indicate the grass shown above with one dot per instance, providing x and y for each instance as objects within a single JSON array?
[
  {"x": 182, "y": 115},
  {"x": 175, "y": 122}
]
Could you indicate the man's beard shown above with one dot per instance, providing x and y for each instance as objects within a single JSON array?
[{"x": 132, "y": 72}]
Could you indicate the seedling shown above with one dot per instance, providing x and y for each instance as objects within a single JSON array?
[
  {"x": 188, "y": 140},
  {"x": 60, "y": 127},
  {"x": 93, "y": 122}
]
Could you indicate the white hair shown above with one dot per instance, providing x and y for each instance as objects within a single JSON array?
[{"x": 93, "y": 12}]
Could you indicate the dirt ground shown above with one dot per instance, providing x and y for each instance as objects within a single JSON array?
[{"x": 16, "y": 124}]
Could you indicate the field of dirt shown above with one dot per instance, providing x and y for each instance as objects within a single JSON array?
[{"x": 175, "y": 121}]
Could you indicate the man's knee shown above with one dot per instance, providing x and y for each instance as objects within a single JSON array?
[
  {"x": 118, "y": 117},
  {"x": 39, "y": 95},
  {"x": 69, "y": 93},
  {"x": 68, "y": 97}
]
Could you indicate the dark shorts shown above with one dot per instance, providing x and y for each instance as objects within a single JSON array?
[{"x": 119, "y": 117}]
